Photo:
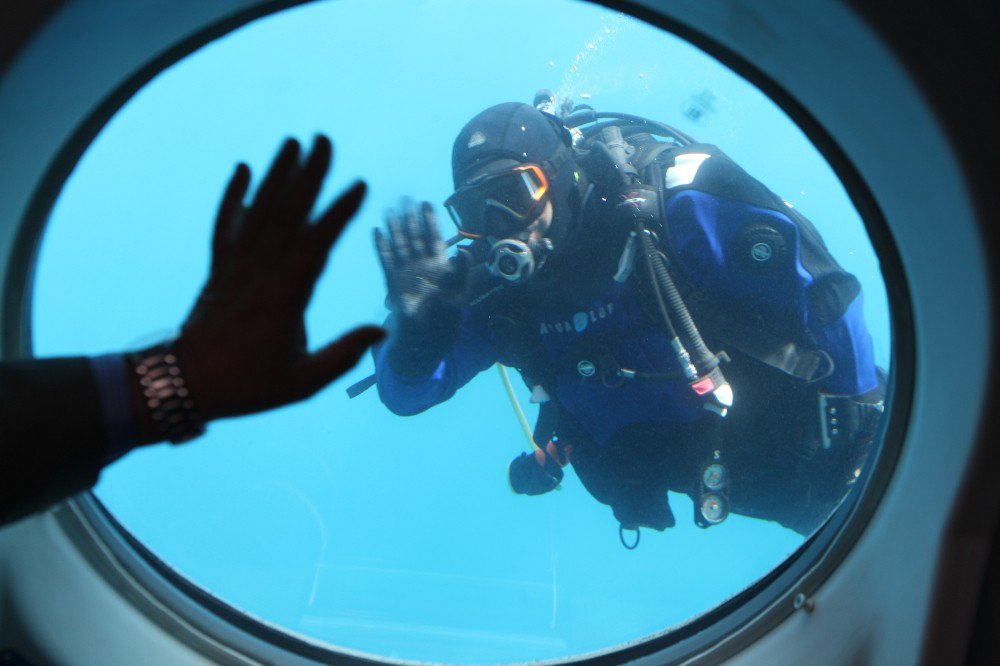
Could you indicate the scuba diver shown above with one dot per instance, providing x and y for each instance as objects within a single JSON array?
[{"x": 681, "y": 326}]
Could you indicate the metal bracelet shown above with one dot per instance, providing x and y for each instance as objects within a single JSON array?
[{"x": 166, "y": 394}]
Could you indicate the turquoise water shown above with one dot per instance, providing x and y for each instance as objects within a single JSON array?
[{"x": 333, "y": 518}]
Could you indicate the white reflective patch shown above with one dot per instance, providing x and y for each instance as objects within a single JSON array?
[
  {"x": 684, "y": 170},
  {"x": 539, "y": 394},
  {"x": 477, "y": 139},
  {"x": 530, "y": 183}
]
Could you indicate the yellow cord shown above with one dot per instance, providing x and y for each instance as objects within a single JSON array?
[{"x": 505, "y": 378}]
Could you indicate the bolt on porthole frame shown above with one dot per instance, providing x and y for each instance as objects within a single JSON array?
[{"x": 766, "y": 603}]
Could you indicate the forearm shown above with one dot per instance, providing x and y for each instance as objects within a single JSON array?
[
  {"x": 410, "y": 369},
  {"x": 406, "y": 392},
  {"x": 61, "y": 421},
  {"x": 53, "y": 439},
  {"x": 406, "y": 395}
]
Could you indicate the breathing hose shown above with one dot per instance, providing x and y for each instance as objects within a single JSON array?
[
  {"x": 516, "y": 405},
  {"x": 587, "y": 116},
  {"x": 704, "y": 358}
]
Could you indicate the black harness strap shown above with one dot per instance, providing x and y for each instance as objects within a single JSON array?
[
  {"x": 547, "y": 423},
  {"x": 357, "y": 388},
  {"x": 808, "y": 365}
]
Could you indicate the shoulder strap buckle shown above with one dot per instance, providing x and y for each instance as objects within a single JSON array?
[{"x": 841, "y": 418}]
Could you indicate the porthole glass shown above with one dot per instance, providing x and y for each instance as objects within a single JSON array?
[{"x": 399, "y": 536}]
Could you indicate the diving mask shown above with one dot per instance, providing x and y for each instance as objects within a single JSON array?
[{"x": 499, "y": 204}]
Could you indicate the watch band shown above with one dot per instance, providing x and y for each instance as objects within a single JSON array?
[{"x": 166, "y": 394}]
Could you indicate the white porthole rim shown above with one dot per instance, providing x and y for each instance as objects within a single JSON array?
[
  {"x": 227, "y": 635},
  {"x": 748, "y": 615}
]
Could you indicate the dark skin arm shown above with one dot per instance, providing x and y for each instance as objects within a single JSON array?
[{"x": 242, "y": 348}]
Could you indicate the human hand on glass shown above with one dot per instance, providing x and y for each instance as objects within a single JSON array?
[{"x": 243, "y": 346}]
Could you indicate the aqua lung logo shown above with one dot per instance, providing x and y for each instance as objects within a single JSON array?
[{"x": 580, "y": 321}]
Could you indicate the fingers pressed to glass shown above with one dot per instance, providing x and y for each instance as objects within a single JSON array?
[
  {"x": 269, "y": 194},
  {"x": 305, "y": 185},
  {"x": 230, "y": 211},
  {"x": 333, "y": 222},
  {"x": 336, "y": 358},
  {"x": 324, "y": 234}
]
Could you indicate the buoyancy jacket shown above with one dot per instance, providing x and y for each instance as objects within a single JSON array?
[{"x": 756, "y": 274}]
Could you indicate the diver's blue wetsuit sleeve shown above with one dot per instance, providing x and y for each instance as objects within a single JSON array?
[
  {"x": 405, "y": 396},
  {"x": 718, "y": 216}
]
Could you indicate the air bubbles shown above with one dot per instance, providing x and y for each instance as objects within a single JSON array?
[{"x": 612, "y": 26}]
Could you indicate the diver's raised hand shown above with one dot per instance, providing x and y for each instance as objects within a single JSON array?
[
  {"x": 243, "y": 346},
  {"x": 426, "y": 288},
  {"x": 419, "y": 276}
]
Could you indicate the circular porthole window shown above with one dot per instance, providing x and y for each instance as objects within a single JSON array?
[{"x": 343, "y": 523}]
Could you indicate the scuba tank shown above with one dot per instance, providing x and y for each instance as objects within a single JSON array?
[
  {"x": 608, "y": 151},
  {"x": 600, "y": 141}
]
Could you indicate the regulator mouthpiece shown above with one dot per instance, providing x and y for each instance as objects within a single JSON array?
[{"x": 515, "y": 260}]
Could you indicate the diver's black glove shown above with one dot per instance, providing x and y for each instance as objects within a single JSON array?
[
  {"x": 529, "y": 477},
  {"x": 426, "y": 290}
]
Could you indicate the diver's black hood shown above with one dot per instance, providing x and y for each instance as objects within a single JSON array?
[
  {"x": 506, "y": 131},
  {"x": 520, "y": 132}
]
